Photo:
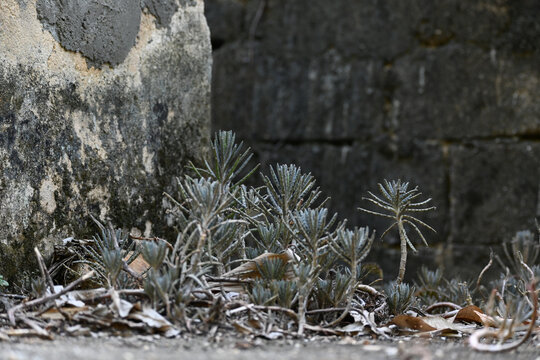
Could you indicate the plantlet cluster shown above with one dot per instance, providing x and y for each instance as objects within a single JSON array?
[
  {"x": 278, "y": 239},
  {"x": 275, "y": 246},
  {"x": 272, "y": 259}
]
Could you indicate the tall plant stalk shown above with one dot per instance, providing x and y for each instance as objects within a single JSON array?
[{"x": 398, "y": 201}]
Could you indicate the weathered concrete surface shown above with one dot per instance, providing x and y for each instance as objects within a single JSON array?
[
  {"x": 102, "y": 129},
  {"x": 233, "y": 347},
  {"x": 443, "y": 94}
]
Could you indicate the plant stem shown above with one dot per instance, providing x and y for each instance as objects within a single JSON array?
[
  {"x": 301, "y": 313},
  {"x": 403, "y": 260}
]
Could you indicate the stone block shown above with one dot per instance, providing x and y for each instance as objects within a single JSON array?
[
  {"x": 326, "y": 97},
  {"x": 494, "y": 191},
  {"x": 462, "y": 92}
]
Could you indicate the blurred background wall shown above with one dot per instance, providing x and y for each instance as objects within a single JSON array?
[{"x": 444, "y": 94}]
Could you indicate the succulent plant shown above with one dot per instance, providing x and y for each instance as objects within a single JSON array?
[{"x": 399, "y": 297}]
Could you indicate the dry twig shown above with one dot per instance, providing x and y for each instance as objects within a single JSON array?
[
  {"x": 44, "y": 299},
  {"x": 443, "y": 304}
]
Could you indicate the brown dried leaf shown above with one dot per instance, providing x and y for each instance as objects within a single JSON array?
[
  {"x": 151, "y": 318},
  {"x": 487, "y": 320},
  {"x": 244, "y": 345},
  {"x": 249, "y": 270},
  {"x": 411, "y": 323},
  {"x": 254, "y": 323},
  {"x": 431, "y": 325},
  {"x": 139, "y": 265},
  {"x": 54, "y": 314},
  {"x": 469, "y": 314},
  {"x": 242, "y": 329}
]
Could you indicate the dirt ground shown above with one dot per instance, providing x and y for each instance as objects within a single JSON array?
[{"x": 148, "y": 347}]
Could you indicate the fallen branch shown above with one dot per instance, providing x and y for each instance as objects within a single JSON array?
[{"x": 45, "y": 299}]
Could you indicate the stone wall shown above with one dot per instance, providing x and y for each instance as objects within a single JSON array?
[
  {"x": 101, "y": 104},
  {"x": 444, "y": 94}
]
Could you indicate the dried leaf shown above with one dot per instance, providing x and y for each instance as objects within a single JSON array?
[
  {"x": 249, "y": 270},
  {"x": 353, "y": 329},
  {"x": 469, "y": 314},
  {"x": 440, "y": 323},
  {"x": 54, "y": 314},
  {"x": 487, "y": 320},
  {"x": 367, "y": 319},
  {"x": 139, "y": 265},
  {"x": 242, "y": 329},
  {"x": 78, "y": 330},
  {"x": 254, "y": 323},
  {"x": 431, "y": 325},
  {"x": 272, "y": 335},
  {"x": 244, "y": 345},
  {"x": 411, "y": 323},
  {"x": 151, "y": 318},
  {"x": 67, "y": 298},
  {"x": 121, "y": 306}
]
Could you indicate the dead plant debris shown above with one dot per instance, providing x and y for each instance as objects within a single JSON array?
[{"x": 270, "y": 263}]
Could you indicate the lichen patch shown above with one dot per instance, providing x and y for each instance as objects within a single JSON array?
[
  {"x": 88, "y": 135},
  {"x": 101, "y": 196},
  {"x": 15, "y": 206},
  {"x": 148, "y": 160},
  {"x": 47, "y": 200}
]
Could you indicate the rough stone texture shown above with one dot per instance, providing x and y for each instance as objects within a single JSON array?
[
  {"x": 103, "y": 31},
  {"x": 199, "y": 348},
  {"x": 443, "y": 94},
  {"x": 513, "y": 171},
  {"x": 76, "y": 139}
]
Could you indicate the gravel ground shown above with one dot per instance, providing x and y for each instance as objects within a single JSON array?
[{"x": 148, "y": 347}]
